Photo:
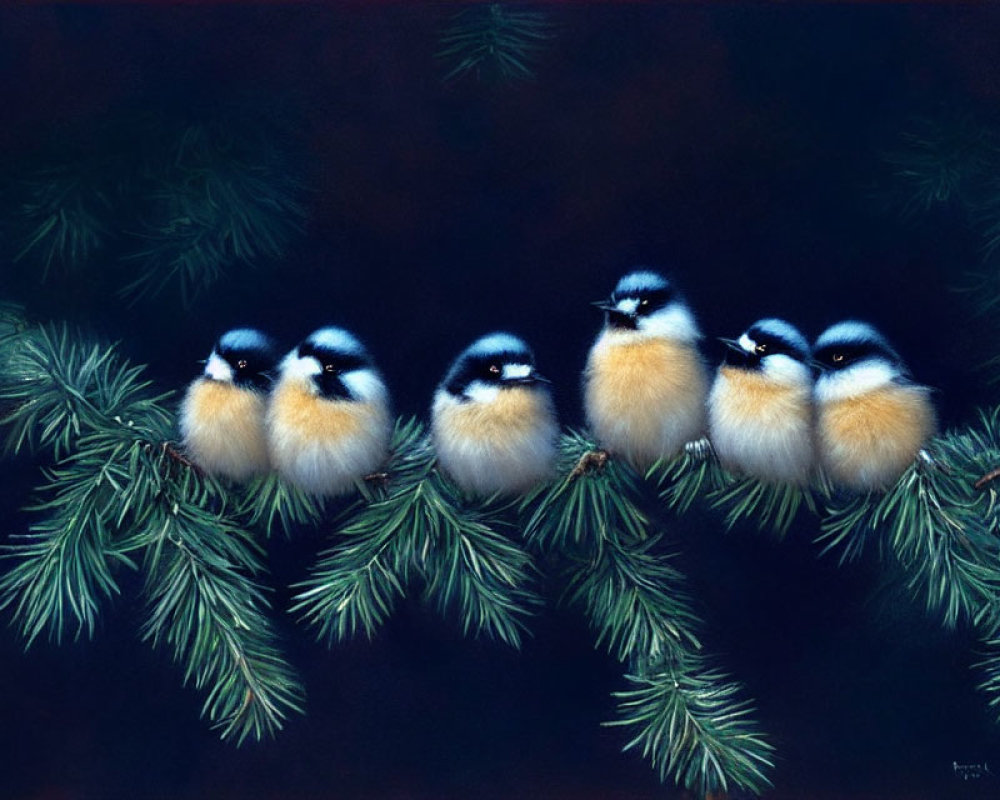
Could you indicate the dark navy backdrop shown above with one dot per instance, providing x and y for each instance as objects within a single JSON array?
[{"x": 735, "y": 147}]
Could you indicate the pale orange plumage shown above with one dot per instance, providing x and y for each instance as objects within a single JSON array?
[
  {"x": 644, "y": 398},
  {"x": 867, "y": 441},
  {"x": 222, "y": 426}
]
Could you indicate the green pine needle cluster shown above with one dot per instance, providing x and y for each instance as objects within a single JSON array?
[
  {"x": 116, "y": 495},
  {"x": 696, "y": 475},
  {"x": 214, "y": 202},
  {"x": 419, "y": 529},
  {"x": 494, "y": 40},
  {"x": 66, "y": 208},
  {"x": 947, "y": 167},
  {"x": 940, "y": 161},
  {"x": 691, "y": 723},
  {"x": 161, "y": 204},
  {"x": 686, "y": 719}
]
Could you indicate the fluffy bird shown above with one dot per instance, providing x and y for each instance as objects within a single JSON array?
[
  {"x": 645, "y": 384},
  {"x": 493, "y": 424},
  {"x": 760, "y": 407},
  {"x": 328, "y": 421},
  {"x": 222, "y": 413},
  {"x": 872, "y": 420}
]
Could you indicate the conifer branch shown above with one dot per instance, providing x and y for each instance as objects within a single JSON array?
[
  {"x": 494, "y": 40},
  {"x": 268, "y": 501},
  {"x": 419, "y": 526},
  {"x": 63, "y": 215},
  {"x": 205, "y": 605},
  {"x": 935, "y": 524},
  {"x": 686, "y": 719},
  {"x": 696, "y": 474},
  {"x": 694, "y": 729},
  {"x": 116, "y": 489}
]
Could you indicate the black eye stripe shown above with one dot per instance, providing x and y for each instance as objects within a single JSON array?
[
  {"x": 340, "y": 361},
  {"x": 478, "y": 368},
  {"x": 774, "y": 346},
  {"x": 843, "y": 355}
]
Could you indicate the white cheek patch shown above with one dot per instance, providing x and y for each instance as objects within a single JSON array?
[
  {"x": 673, "y": 322},
  {"x": 857, "y": 379},
  {"x": 628, "y": 305},
  {"x": 513, "y": 372},
  {"x": 480, "y": 392},
  {"x": 785, "y": 369},
  {"x": 747, "y": 343},
  {"x": 295, "y": 367},
  {"x": 218, "y": 369},
  {"x": 365, "y": 385}
]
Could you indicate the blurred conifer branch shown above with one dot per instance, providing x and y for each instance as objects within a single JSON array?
[
  {"x": 115, "y": 491},
  {"x": 947, "y": 168},
  {"x": 164, "y": 203},
  {"x": 494, "y": 41},
  {"x": 940, "y": 161},
  {"x": 65, "y": 210},
  {"x": 214, "y": 199}
]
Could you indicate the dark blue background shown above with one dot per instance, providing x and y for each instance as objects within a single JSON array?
[{"x": 736, "y": 147}]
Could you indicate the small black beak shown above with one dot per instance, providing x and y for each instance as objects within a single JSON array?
[
  {"x": 604, "y": 305},
  {"x": 527, "y": 380},
  {"x": 738, "y": 356}
]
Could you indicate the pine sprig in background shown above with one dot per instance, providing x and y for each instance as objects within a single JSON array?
[{"x": 163, "y": 202}]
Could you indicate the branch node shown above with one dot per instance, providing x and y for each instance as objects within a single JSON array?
[
  {"x": 380, "y": 479},
  {"x": 591, "y": 460},
  {"x": 989, "y": 477}
]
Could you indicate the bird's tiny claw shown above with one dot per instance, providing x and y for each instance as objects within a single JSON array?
[{"x": 700, "y": 449}]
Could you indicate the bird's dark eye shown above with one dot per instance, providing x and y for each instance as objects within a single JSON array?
[
  {"x": 241, "y": 364},
  {"x": 836, "y": 358},
  {"x": 644, "y": 303},
  {"x": 761, "y": 349},
  {"x": 329, "y": 368},
  {"x": 494, "y": 369}
]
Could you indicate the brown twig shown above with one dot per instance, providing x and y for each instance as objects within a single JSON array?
[
  {"x": 379, "y": 478},
  {"x": 178, "y": 456},
  {"x": 592, "y": 459},
  {"x": 989, "y": 477}
]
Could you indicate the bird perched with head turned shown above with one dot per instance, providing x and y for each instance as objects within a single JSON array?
[
  {"x": 222, "y": 413},
  {"x": 872, "y": 420},
  {"x": 760, "y": 406},
  {"x": 328, "y": 421},
  {"x": 645, "y": 383},
  {"x": 493, "y": 424}
]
